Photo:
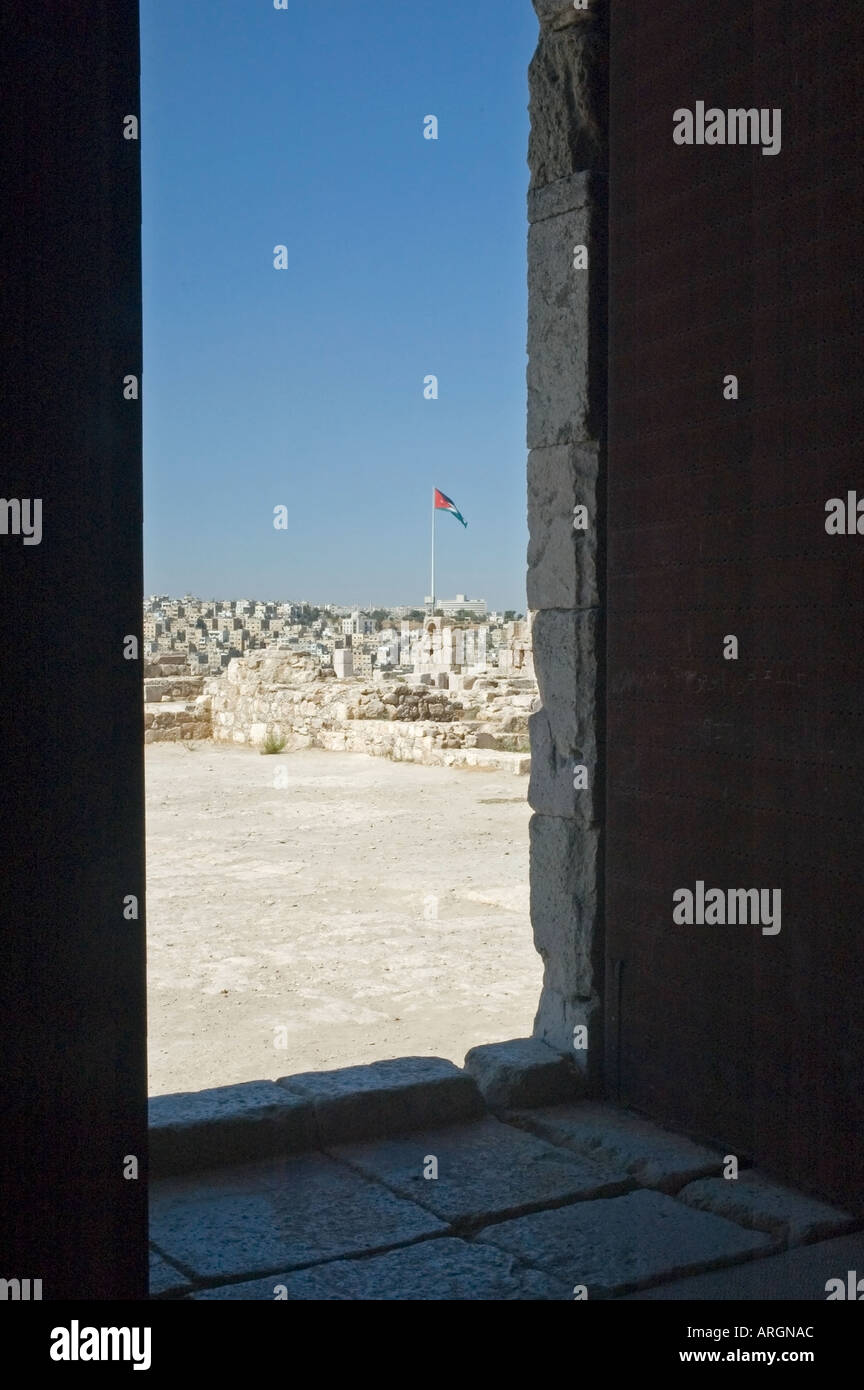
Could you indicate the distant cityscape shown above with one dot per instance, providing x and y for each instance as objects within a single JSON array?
[{"x": 201, "y": 636}]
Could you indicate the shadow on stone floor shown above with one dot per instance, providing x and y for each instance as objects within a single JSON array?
[{"x": 414, "y": 1179}]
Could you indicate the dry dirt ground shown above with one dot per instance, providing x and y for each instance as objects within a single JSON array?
[{"x": 313, "y": 910}]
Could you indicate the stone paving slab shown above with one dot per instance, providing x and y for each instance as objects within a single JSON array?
[
  {"x": 191, "y": 1130},
  {"x": 484, "y": 1169},
  {"x": 386, "y": 1097},
  {"x": 280, "y": 1215},
  {"x": 164, "y": 1278},
  {"x": 654, "y": 1157},
  {"x": 622, "y": 1243},
  {"x": 522, "y": 1072},
  {"x": 796, "y": 1274},
  {"x": 755, "y": 1201},
  {"x": 434, "y": 1269}
]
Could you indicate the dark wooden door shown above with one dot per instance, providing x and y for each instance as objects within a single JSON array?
[{"x": 739, "y": 773}]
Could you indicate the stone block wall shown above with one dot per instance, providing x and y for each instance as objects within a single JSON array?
[
  {"x": 167, "y": 664},
  {"x": 175, "y": 708},
  {"x": 566, "y": 380},
  {"x": 172, "y": 688},
  {"x": 174, "y": 721},
  {"x": 483, "y": 723}
]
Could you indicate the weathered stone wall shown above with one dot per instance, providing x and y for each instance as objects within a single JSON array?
[
  {"x": 482, "y": 724},
  {"x": 174, "y": 721},
  {"x": 175, "y": 708},
  {"x": 172, "y": 688},
  {"x": 566, "y": 433},
  {"x": 167, "y": 664}
]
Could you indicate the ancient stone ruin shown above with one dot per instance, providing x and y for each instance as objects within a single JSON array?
[{"x": 484, "y": 723}]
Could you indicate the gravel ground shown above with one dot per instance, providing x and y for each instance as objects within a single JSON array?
[{"x": 313, "y": 910}]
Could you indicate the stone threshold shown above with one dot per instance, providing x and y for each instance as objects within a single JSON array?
[
  {"x": 418, "y": 1179},
  {"x": 192, "y": 1130}
]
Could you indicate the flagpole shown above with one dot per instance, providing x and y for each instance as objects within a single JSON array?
[{"x": 432, "y": 586}]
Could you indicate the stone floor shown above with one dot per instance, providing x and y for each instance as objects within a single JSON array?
[{"x": 555, "y": 1201}]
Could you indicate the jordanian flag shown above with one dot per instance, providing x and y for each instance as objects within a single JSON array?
[{"x": 444, "y": 504}]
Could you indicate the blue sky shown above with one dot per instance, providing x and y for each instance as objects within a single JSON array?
[{"x": 304, "y": 387}]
